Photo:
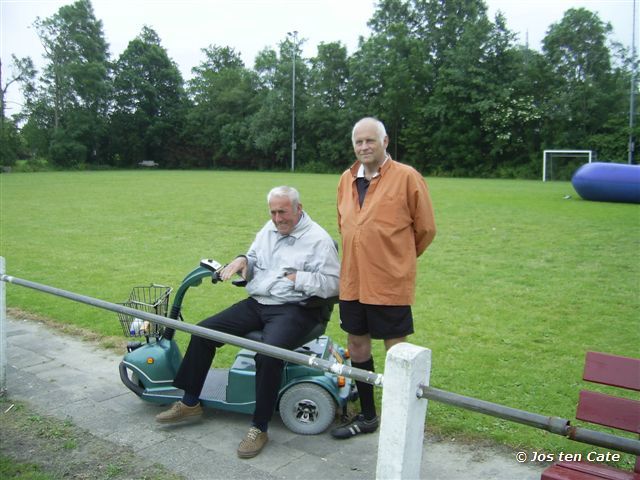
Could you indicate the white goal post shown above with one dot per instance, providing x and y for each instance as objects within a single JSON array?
[{"x": 548, "y": 154}]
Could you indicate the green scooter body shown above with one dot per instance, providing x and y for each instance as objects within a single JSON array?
[
  {"x": 151, "y": 369},
  {"x": 148, "y": 369}
]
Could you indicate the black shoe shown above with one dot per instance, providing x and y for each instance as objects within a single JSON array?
[{"x": 356, "y": 426}]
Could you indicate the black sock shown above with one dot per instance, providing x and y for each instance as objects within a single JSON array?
[
  {"x": 365, "y": 391},
  {"x": 260, "y": 426},
  {"x": 190, "y": 400}
]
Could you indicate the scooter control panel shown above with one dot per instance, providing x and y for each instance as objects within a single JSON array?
[{"x": 210, "y": 264}]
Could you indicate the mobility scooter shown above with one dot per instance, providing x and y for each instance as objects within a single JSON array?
[{"x": 308, "y": 400}]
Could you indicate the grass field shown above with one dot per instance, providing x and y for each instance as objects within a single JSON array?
[{"x": 519, "y": 283}]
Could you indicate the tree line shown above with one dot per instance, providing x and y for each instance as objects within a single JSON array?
[{"x": 458, "y": 95}]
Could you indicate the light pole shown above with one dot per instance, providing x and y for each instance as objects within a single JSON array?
[
  {"x": 294, "y": 35},
  {"x": 632, "y": 94}
]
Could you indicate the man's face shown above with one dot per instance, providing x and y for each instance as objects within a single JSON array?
[
  {"x": 369, "y": 150},
  {"x": 283, "y": 215}
]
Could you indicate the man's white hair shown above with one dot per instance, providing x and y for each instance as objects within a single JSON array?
[
  {"x": 381, "y": 131},
  {"x": 285, "y": 191}
]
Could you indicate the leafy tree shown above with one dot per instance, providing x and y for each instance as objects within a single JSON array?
[
  {"x": 389, "y": 72},
  {"x": 583, "y": 84},
  {"x": 271, "y": 124},
  {"x": 11, "y": 144},
  {"x": 23, "y": 73},
  {"x": 223, "y": 94},
  {"x": 611, "y": 143},
  {"x": 75, "y": 83},
  {"x": 509, "y": 113},
  {"x": 149, "y": 104},
  {"x": 447, "y": 131},
  {"x": 326, "y": 120},
  {"x": 515, "y": 125}
]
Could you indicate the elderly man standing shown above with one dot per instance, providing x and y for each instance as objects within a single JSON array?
[
  {"x": 386, "y": 221},
  {"x": 291, "y": 259}
]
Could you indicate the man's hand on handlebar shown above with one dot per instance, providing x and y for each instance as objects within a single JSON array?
[{"x": 238, "y": 265}]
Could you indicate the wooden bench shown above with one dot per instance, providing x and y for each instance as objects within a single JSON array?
[
  {"x": 147, "y": 163},
  {"x": 607, "y": 410}
]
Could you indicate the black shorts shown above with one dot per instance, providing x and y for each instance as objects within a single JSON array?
[{"x": 380, "y": 321}]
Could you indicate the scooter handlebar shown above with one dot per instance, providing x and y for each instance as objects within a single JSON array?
[{"x": 215, "y": 267}]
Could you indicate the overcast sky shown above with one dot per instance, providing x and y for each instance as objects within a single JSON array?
[{"x": 248, "y": 26}]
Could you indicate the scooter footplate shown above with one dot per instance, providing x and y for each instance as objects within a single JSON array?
[{"x": 215, "y": 386}]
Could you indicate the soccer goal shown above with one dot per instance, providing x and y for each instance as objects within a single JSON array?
[{"x": 551, "y": 171}]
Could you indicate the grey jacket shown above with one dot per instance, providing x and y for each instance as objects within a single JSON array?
[{"x": 309, "y": 251}]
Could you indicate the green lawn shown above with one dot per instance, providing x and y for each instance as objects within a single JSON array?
[{"x": 519, "y": 283}]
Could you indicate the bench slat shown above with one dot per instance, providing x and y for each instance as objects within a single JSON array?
[
  {"x": 622, "y": 413},
  {"x": 585, "y": 471},
  {"x": 612, "y": 370}
]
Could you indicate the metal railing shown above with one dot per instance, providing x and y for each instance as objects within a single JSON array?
[
  {"x": 280, "y": 353},
  {"x": 557, "y": 425}
]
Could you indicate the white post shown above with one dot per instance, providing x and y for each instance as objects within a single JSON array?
[
  {"x": 3, "y": 331},
  {"x": 403, "y": 412}
]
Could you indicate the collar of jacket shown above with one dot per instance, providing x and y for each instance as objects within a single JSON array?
[{"x": 355, "y": 168}]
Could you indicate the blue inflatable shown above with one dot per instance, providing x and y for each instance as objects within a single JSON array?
[{"x": 608, "y": 182}]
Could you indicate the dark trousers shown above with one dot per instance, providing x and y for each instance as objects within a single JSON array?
[{"x": 282, "y": 326}]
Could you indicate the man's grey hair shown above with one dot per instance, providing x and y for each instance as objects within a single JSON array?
[
  {"x": 382, "y": 132},
  {"x": 285, "y": 191}
]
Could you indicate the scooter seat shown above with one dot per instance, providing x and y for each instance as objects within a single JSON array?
[
  {"x": 318, "y": 330},
  {"x": 324, "y": 307}
]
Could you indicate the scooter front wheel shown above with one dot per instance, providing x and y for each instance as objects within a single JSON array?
[{"x": 307, "y": 409}]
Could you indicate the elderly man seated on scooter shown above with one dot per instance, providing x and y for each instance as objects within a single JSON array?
[{"x": 291, "y": 259}]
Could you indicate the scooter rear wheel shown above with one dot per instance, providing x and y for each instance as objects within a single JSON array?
[{"x": 307, "y": 409}]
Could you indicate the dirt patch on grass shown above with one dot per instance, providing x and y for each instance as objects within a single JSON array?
[{"x": 59, "y": 449}]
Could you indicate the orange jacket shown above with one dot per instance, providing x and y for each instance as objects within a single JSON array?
[{"x": 382, "y": 240}]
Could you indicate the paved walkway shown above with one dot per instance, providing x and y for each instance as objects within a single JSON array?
[{"x": 73, "y": 379}]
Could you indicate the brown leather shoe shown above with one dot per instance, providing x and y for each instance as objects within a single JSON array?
[
  {"x": 179, "y": 412},
  {"x": 252, "y": 443}
]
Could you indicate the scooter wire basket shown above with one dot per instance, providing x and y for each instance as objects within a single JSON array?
[{"x": 151, "y": 299}]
